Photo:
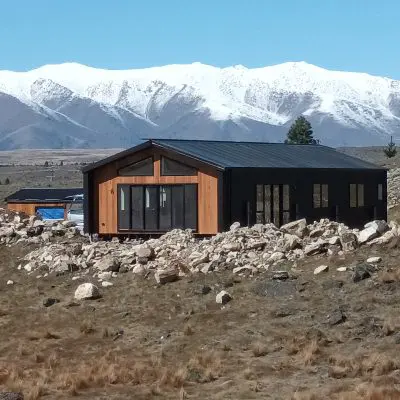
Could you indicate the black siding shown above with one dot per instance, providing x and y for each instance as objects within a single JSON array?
[
  {"x": 87, "y": 199},
  {"x": 242, "y": 189}
]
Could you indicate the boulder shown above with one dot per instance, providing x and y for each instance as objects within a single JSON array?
[
  {"x": 380, "y": 226},
  {"x": 361, "y": 272},
  {"x": 34, "y": 230},
  {"x": 374, "y": 260},
  {"x": 245, "y": 269},
  {"x": 321, "y": 268},
  {"x": 107, "y": 263},
  {"x": 294, "y": 226},
  {"x": 144, "y": 252},
  {"x": 315, "y": 248},
  {"x": 235, "y": 226},
  {"x": 348, "y": 240},
  {"x": 223, "y": 297},
  {"x": 280, "y": 275},
  {"x": 316, "y": 233},
  {"x": 104, "y": 275},
  {"x": 87, "y": 291},
  {"x": 277, "y": 256},
  {"x": 139, "y": 269},
  {"x": 367, "y": 234},
  {"x": 164, "y": 276}
]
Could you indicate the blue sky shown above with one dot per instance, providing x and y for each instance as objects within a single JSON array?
[{"x": 354, "y": 35}]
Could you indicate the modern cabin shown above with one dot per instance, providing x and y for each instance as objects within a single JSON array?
[
  {"x": 49, "y": 203},
  {"x": 207, "y": 185}
]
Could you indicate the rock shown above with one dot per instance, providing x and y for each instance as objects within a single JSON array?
[
  {"x": 164, "y": 276},
  {"x": 379, "y": 226},
  {"x": 107, "y": 263},
  {"x": 292, "y": 242},
  {"x": 367, "y": 234},
  {"x": 50, "y": 301},
  {"x": 139, "y": 269},
  {"x": 244, "y": 269},
  {"x": 87, "y": 291},
  {"x": 374, "y": 260},
  {"x": 105, "y": 275},
  {"x": 205, "y": 289},
  {"x": 11, "y": 396},
  {"x": 223, "y": 297},
  {"x": 235, "y": 226},
  {"x": 10, "y": 282},
  {"x": 294, "y": 226},
  {"x": 207, "y": 267},
  {"x": 321, "y": 268},
  {"x": 348, "y": 240},
  {"x": 106, "y": 284},
  {"x": 34, "y": 230},
  {"x": 315, "y": 248},
  {"x": 334, "y": 240},
  {"x": 336, "y": 317},
  {"x": 68, "y": 224},
  {"x": 361, "y": 272},
  {"x": 280, "y": 275},
  {"x": 144, "y": 252},
  {"x": 28, "y": 267},
  {"x": 316, "y": 233},
  {"x": 277, "y": 256},
  {"x": 37, "y": 222},
  {"x": 341, "y": 269}
]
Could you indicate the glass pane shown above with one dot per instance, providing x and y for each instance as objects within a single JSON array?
[
  {"x": 353, "y": 195},
  {"x": 177, "y": 207},
  {"x": 286, "y": 217},
  {"x": 276, "y": 204},
  {"x": 141, "y": 168},
  {"x": 174, "y": 168},
  {"x": 325, "y": 196},
  {"x": 191, "y": 207},
  {"x": 286, "y": 200},
  {"x": 360, "y": 195},
  {"x": 380, "y": 191},
  {"x": 122, "y": 198},
  {"x": 260, "y": 199},
  {"x": 259, "y": 218},
  {"x": 317, "y": 195},
  {"x": 267, "y": 204},
  {"x": 137, "y": 207},
  {"x": 165, "y": 208},
  {"x": 151, "y": 208}
]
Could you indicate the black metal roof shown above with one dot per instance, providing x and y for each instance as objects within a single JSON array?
[
  {"x": 44, "y": 195},
  {"x": 224, "y": 154}
]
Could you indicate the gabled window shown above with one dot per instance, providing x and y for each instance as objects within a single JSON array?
[
  {"x": 140, "y": 168},
  {"x": 175, "y": 168},
  {"x": 356, "y": 195},
  {"x": 320, "y": 195}
]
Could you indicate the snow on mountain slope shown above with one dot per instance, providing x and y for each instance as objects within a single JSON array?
[{"x": 199, "y": 100}]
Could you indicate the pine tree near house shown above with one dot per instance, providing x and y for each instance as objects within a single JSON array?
[
  {"x": 300, "y": 132},
  {"x": 390, "y": 151}
]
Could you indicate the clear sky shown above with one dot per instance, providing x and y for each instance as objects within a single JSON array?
[{"x": 353, "y": 35}]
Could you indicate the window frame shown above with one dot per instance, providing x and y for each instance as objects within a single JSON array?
[
  {"x": 121, "y": 173},
  {"x": 163, "y": 173}
]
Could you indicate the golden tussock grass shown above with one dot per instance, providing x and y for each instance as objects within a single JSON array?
[{"x": 259, "y": 349}]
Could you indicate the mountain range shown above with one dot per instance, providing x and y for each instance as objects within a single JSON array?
[{"x": 75, "y": 106}]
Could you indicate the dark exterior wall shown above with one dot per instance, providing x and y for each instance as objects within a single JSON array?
[{"x": 240, "y": 187}]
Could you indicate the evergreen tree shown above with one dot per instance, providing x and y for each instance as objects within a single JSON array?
[
  {"x": 7, "y": 181},
  {"x": 390, "y": 151},
  {"x": 46, "y": 163},
  {"x": 300, "y": 132}
]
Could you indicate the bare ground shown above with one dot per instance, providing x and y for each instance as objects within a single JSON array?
[{"x": 274, "y": 340}]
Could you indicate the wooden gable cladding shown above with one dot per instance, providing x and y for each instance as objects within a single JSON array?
[{"x": 106, "y": 179}]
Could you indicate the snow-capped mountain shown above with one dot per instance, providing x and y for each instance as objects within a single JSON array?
[{"x": 72, "y": 105}]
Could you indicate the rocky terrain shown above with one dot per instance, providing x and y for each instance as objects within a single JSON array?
[{"x": 299, "y": 312}]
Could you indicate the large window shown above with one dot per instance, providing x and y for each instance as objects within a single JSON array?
[
  {"x": 272, "y": 204},
  {"x": 175, "y": 168},
  {"x": 356, "y": 195},
  {"x": 157, "y": 207},
  {"x": 140, "y": 168},
  {"x": 320, "y": 195}
]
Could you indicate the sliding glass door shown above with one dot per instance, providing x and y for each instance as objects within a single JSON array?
[{"x": 155, "y": 208}]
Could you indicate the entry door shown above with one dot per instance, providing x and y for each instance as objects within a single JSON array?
[{"x": 273, "y": 204}]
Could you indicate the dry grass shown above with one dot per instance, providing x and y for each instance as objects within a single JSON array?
[
  {"x": 388, "y": 327},
  {"x": 87, "y": 327},
  {"x": 259, "y": 349},
  {"x": 188, "y": 330}
]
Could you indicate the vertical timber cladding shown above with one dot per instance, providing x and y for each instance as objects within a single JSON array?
[{"x": 106, "y": 180}]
